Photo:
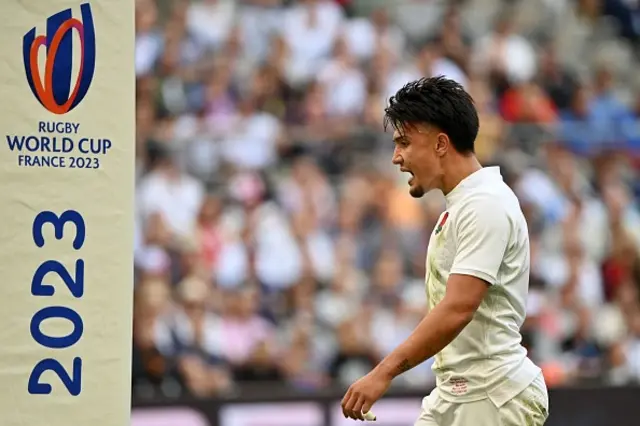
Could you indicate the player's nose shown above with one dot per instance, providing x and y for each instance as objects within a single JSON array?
[{"x": 397, "y": 158}]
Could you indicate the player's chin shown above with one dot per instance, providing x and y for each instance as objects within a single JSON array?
[{"x": 416, "y": 191}]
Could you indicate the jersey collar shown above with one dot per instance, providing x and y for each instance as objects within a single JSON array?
[{"x": 484, "y": 176}]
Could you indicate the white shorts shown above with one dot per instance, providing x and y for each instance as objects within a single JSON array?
[{"x": 529, "y": 408}]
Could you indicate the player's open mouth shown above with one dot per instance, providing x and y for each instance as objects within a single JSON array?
[{"x": 411, "y": 178}]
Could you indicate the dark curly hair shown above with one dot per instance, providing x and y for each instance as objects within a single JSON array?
[{"x": 439, "y": 102}]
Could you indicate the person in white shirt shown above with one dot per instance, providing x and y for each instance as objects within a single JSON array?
[{"x": 477, "y": 274}]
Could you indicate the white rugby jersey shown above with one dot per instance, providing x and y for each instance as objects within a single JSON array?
[{"x": 483, "y": 233}]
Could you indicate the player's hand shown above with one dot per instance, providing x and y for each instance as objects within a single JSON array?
[{"x": 363, "y": 394}]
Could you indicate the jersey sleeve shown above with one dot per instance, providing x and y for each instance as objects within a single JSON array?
[{"x": 482, "y": 234}]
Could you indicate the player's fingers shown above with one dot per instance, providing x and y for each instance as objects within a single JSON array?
[
  {"x": 357, "y": 408},
  {"x": 346, "y": 402},
  {"x": 366, "y": 407},
  {"x": 348, "y": 409},
  {"x": 346, "y": 397}
]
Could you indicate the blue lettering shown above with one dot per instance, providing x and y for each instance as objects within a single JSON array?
[
  {"x": 71, "y": 381},
  {"x": 15, "y": 142},
  {"x": 67, "y": 145},
  {"x": 45, "y": 144},
  {"x": 25, "y": 160},
  {"x": 95, "y": 146},
  {"x": 54, "y": 342},
  {"x": 32, "y": 143},
  {"x": 41, "y": 144},
  {"x": 58, "y": 127},
  {"x": 82, "y": 145}
]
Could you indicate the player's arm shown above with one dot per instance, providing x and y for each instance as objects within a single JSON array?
[{"x": 482, "y": 233}]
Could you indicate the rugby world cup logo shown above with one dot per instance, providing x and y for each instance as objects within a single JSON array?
[{"x": 53, "y": 86}]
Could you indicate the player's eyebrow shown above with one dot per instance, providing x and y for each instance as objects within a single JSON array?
[{"x": 400, "y": 138}]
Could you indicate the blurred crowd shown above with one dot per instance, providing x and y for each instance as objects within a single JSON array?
[{"x": 276, "y": 242}]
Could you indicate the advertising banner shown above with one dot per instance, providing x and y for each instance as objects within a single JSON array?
[
  {"x": 66, "y": 191},
  {"x": 272, "y": 414},
  {"x": 569, "y": 407},
  {"x": 389, "y": 412}
]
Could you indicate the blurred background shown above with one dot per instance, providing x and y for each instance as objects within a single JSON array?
[{"x": 278, "y": 254}]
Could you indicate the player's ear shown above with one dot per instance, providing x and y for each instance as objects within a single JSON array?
[{"x": 442, "y": 144}]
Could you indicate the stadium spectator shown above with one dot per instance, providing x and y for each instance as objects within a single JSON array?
[{"x": 275, "y": 240}]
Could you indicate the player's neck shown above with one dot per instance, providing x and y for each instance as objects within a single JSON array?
[{"x": 457, "y": 170}]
